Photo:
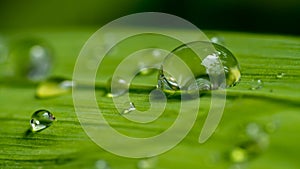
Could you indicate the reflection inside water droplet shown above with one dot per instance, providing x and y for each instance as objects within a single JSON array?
[
  {"x": 40, "y": 120},
  {"x": 54, "y": 87},
  {"x": 31, "y": 59},
  {"x": 208, "y": 62}
]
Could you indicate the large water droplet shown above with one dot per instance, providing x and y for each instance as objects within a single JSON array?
[
  {"x": 212, "y": 66},
  {"x": 147, "y": 163},
  {"x": 120, "y": 87},
  {"x": 54, "y": 87},
  {"x": 217, "y": 39},
  {"x": 40, "y": 120},
  {"x": 256, "y": 84},
  {"x": 31, "y": 59}
]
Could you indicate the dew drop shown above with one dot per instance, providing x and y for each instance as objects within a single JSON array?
[
  {"x": 54, "y": 87},
  {"x": 40, "y": 120},
  {"x": 101, "y": 164},
  {"x": 129, "y": 109},
  {"x": 280, "y": 75},
  {"x": 147, "y": 163},
  {"x": 238, "y": 155},
  {"x": 120, "y": 87},
  {"x": 216, "y": 61},
  {"x": 256, "y": 84},
  {"x": 31, "y": 59}
]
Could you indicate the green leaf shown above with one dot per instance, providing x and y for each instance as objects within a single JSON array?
[{"x": 65, "y": 144}]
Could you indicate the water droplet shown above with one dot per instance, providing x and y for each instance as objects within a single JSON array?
[
  {"x": 101, "y": 164},
  {"x": 129, "y": 109},
  {"x": 54, "y": 87},
  {"x": 238, "y": 155},
  {"x": 147, "y": 163},
  {"x": 31, "y": 59},
  {"x": 280, "y": 75},
  {"x": 272, "y": 126},
  {"x": 207, "y": 61},
  {"x": 117, "y": 86},
  {"x": 40, "y": 120},
  {"x": 256, "y": 84}
]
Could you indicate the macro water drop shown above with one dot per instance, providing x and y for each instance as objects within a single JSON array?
[
  {"x": 202, "y": 65},
  {"x": 41, "y": 119}
]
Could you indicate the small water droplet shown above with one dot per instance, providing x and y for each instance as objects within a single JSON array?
[
  {"x": 117, "y": 86},
  {"x": 256, "y": 84},
  {"x": 54, "y": 87},
  {"x": 208, "y": 70},
  {"x": 280, "y": 75},
  {"x": 31, "y": 59},
  {"x": 129, "y": 109},
  {"x": 147, "y": 163},
  {"x": 40, "y": 120},
  {"x": 101, "y": 164},
  {"x": 238, "y": 155}
]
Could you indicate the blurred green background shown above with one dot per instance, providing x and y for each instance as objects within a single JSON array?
[{"x": 265, "y": 16}]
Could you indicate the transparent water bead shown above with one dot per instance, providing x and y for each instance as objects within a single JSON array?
[
  {"x": 54, "y": 87},
  {"x": 40, "y": 120},
  {"x": 208, "y": 62},
  {"x": 256, "y": 84},
  {"x": 120, "y": 86},
  {"x": 129, "y": 109},
  {"x": 31, "y": 59}
]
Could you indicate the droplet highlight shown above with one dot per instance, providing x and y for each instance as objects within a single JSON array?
[
  {"x": 40, "y": 120},
  {"x": 55, "y": 86}
]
